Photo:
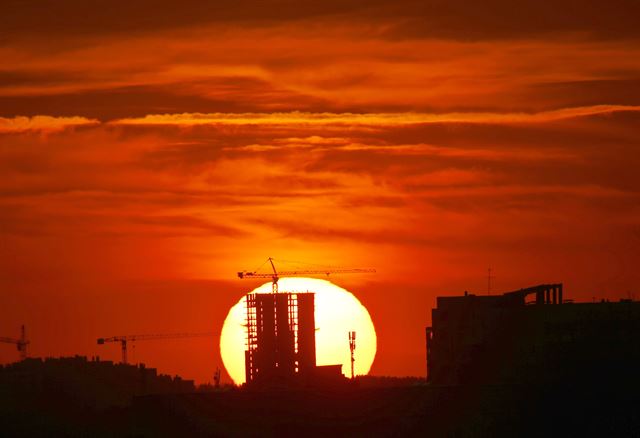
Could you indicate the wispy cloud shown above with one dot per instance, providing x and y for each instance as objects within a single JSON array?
[
  {"x": 48, "y": 123},
  {"x": 369, "y": 119},
  {"x": 42, "y": 123}
]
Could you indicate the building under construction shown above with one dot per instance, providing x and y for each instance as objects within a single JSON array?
[
  {"x": 510, "y": 338},
  {"x": 281, "y": 341},
  {"x": 281, "y": 333}
]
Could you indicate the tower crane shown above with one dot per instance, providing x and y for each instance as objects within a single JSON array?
[
  {"x": 124, "y": 340},
  {"x": 275, "y": 275},
  {"x": 21, "y": 343}
]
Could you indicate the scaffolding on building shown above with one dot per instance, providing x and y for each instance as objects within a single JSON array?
[{"x": 280, "y": 343}]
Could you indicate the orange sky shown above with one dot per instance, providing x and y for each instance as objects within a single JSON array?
[{"x": 148, "y": 153}]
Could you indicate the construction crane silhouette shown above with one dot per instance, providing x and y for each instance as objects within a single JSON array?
[
  {"x": 124, "y": 340},
  {"x": 275, "y": 275},
  {"x": 21, "y": 343}
]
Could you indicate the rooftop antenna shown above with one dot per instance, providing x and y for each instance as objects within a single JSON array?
[
  {"x": 489, "y": 281},
  {"x": 352, "y": 347}
]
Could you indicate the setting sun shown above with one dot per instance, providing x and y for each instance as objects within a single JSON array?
[{"x": 337, "y": 312}]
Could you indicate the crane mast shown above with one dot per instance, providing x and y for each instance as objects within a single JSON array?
[
  {"x": 275, "y": 275},
  {"x": 20, "y": 343}
]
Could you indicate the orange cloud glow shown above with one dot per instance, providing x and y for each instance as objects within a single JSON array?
[
  {"x": 41, "y": 123},
  {"x": 388, "y": 119}
]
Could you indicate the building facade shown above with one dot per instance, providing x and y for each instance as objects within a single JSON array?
[{"x": 531, "y": 335}]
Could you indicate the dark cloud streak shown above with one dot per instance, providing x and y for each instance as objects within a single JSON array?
[
  {"x": 227, "y": 94},
  {"x": 456, "y": 19}
]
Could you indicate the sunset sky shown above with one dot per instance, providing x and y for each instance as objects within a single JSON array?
[{"x": 149, "y": 150}]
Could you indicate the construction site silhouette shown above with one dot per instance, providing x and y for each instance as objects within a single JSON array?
[{"x": 523, "y": 363}]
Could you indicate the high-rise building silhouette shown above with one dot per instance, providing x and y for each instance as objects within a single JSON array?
[{"x": 506, "y": 339}]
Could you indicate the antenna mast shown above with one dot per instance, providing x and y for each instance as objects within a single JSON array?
[{"x": 352, "y": 347}]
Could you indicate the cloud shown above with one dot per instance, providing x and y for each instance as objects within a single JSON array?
[
  {"x": 42, "y": 123},
  {"x": 106, "y": 101},
  {"x": 309, "y": 68},
  {"x": 625, "y": 91},
  {"x": 297, "y": 118},
  {"x": 412, "y": 18},
  {"x": 504, "y": 19}
]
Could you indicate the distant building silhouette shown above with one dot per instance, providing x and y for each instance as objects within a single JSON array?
[
  {"x": 92, "y": 383},
  {"x": 505, "y": 339}
]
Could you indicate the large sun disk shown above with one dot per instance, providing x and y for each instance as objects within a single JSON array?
[{"x": 337, "y": 312}]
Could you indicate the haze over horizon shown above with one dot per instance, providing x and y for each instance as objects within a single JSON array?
[{"x": 150, "y": 152}]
